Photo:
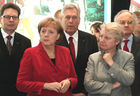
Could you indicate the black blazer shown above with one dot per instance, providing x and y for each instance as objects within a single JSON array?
[
  {"x": 87, "y": 44},
  {"x": 136, "y": 52},
  {"x": 9, "y": 65}
]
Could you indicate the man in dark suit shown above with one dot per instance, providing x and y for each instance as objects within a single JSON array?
[
  {"x": 84, "y": 44},
  {"x": 128, "y": 22},
  {"x": 11, "y": 50}
]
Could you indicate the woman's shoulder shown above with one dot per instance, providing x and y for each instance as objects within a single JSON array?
[
  {"x": 95, "y": 56},
  {"x": 62, "y": 48},
  {"x": 32, "y": 49},
  {"x": 124, "y": 55}
]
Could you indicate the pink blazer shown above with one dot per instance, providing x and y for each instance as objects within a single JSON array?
[{"x": 36, "y": 68}]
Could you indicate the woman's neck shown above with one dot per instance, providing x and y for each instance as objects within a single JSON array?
[{"x": 50, "y": 50}]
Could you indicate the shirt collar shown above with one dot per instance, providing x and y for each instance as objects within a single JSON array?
[
  {"x": 130, "y": 38},
  {"x": 75, "y": 36},
  {"x": 4, "y": 34}
]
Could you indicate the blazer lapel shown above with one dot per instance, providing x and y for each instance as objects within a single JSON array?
[
  {"x": 16, "y": 45},
  {"x": 45, "y": 55},
  {"x": 3, "y": 47},
  {"x": 64, "y": 42},
  {"x": 81, "y": 44}
]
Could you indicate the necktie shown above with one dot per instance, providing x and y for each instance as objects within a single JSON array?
[
  {"x": 9, "y": 46},
  {"x": 125, "y": 48},
  {"x": 72, "y": 49}
]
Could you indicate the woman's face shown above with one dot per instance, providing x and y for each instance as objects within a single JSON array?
[
  {"x": 48, "y": 36},
  {"x": 95, "y": 33},
  {"x": 107, "y": 41}
]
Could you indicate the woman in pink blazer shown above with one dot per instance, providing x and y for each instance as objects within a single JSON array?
[{"x": 47, "y": 69}]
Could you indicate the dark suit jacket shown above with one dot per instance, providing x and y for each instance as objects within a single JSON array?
[
  {"x": 136, "y": 52},
  {"x": 87, "y": 44},
  {"x": 9, "y": 65}
]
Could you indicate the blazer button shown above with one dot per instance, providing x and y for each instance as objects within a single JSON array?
[
  {"x": 112, "y": 74},
  {"x": 55, "y": 71}
]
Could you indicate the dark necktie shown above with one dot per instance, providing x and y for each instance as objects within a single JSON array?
[
  {"x": 71, "y": 44},
  {"x": 125, "y": 48},
  {"x": 9, "y": 46}
]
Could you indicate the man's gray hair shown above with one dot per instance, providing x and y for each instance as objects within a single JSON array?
[
  {"x": 124, "y": 11},
  {"x": 71, "y": 6}
]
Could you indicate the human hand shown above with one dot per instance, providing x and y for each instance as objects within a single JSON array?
[
  {"x": 79, "y": 94},
  {"x": 116, "y": 85},
  {"x": 55, "y": 86},
  {"x": 108, "y": 58},
  {"x": 65, "y": 84}
]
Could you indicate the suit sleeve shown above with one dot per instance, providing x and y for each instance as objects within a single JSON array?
[
  {"x": 92, "y": 85},
  {"x": 24, "y": 79},
  {"x": 125, "y": 75}
]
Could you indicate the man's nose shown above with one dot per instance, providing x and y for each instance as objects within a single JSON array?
[
  {"x": 70, "y": 20},
  {"x": 11, "y": 19},
  {"x": 126, "y": 24}
]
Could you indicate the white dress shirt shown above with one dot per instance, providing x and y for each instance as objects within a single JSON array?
[
  {"x": 129, "y": 44},
  {"x": 4, "y": 34}
]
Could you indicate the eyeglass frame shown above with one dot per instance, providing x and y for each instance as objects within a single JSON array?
[
  {"x": 8, "y": 17},
  {"x": 123, "y": 22}
]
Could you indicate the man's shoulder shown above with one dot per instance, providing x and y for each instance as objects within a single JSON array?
[
  {"x": 86, "y": 34},
  {"x": 18, "y": 35},
  {"x": 136, "y": 39}
]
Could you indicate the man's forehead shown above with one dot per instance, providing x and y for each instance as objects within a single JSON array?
[{"x": 126, "y": 16}]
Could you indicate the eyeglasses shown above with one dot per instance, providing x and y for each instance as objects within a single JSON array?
[
  {"x": 122, "y": 22},
  {"x": 7, "y": 17},
  {"x": 73, "y": 17}
]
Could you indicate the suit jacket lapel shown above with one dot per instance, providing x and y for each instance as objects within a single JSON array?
[
  {"x": 16, "y": 45},
  {"x": 3, "y": 47},
  {"x": 81, "y": 44},
  {"x": 64, "y": 42},
  {"x": 135, "y": 45}
]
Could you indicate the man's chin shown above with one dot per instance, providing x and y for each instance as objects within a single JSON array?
[
  {"x": 128, "y": 33},
  {"x": 70, "y": 32}
]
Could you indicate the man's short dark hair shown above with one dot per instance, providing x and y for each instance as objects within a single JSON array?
[{"x": 10, "y": 5}]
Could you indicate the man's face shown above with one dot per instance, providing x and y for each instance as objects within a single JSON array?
[
  {"x": 71, "y": 20},
  {"x": 126, "y": 20},
  {"x": 9, "y": 20}
]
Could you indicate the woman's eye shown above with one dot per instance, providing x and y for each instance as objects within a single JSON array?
[
  {"x": 43, "y": 31},
  {"x": 51, "y": 32}
]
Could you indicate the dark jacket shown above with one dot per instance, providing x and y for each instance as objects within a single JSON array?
[
  {"x": 87, "y": 44},
  {"x": 9, "y": 64}
]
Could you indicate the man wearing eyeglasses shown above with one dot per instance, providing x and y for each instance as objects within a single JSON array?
[
  {"x": 12, "y": 47},
  {"x": 128, "y": 22}
]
